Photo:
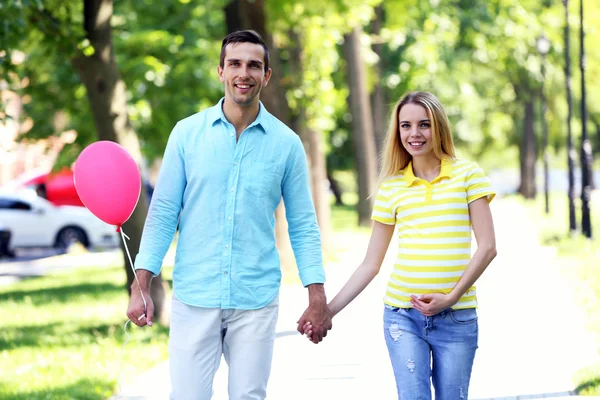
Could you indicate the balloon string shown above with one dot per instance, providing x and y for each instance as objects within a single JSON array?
[
  {"x": 121, "y": 360},
  {"x": 123, "y": 237}
]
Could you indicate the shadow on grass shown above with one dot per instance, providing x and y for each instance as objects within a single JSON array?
[
  {"x": 27, "y": 336},
  {"x": 88, "y": 389},
  {"x": 62, "y": 294},
  {"x": 591, "y": 386},
  {"x": 116, "y": 331},
  {"x": 61, "y": 335}
]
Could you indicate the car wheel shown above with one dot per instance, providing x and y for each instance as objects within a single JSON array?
[{"x": 69, "y": 236}]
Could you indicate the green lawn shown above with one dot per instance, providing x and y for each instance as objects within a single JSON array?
[
  {"x": 61, "y": 336},
  {"x": 579, "y": 260}
]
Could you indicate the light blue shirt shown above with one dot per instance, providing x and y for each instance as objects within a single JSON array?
[{"x": 224, "y": 194}]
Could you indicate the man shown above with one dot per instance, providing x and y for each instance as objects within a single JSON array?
[{"x": 224, "y": 173}]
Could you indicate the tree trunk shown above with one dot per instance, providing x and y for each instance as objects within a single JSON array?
[
  {"x": 106, "y": 93},
  {"x": 248, "y": 14},
  {"x": 335, "y": 189},
  {"x": 312, "y": 144},
  {"x": 378, "y": 97},
  {"x": 528, "y": 152},
  {"x": 362, "y": 126},
  {"x": 571, "y": 154}
]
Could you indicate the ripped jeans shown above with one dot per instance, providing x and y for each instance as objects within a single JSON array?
[{"x": 426, "y": 350}]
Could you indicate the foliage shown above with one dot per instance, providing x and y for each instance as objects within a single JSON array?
[{"x": 473, "y": 55}]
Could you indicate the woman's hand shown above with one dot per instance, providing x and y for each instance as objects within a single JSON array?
[{"x": 432, "y": 303}]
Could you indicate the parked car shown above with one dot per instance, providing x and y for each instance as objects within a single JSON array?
[
  {"x": 56, "y": 187},
  {"x": 4, "y": 242},
  {"x": 35, "y": 222}
]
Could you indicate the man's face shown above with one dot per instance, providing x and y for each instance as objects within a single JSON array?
[{"x": 243, "y": 72}]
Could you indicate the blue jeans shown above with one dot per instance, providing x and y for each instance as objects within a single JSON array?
[{"x": 450, "y": 338}]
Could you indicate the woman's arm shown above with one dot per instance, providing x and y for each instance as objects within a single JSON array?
[
  {"x": 483, "y": 227},
  {"x": 368, "y": 269}
]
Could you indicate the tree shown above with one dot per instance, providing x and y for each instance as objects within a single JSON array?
[
  {"x": 242, "y": 14},
  {"x": 362, "y": 126},
  {"x": 379, "y": 101},
  {"x": 106, "y": 93}
]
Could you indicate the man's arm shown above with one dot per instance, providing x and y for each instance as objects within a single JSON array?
[
  {"x": 305, "y": 237},
  {"x": 165, "y": 206},
  {"x": 159, "y": 229}
]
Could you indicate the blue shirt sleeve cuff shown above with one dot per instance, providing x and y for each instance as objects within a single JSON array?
[
  {"x": 148, "y": 262},
  {"x": 311, "y": 275}
]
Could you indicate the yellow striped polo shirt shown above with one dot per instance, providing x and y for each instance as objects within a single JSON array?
[{"x": 434, "y": 229}]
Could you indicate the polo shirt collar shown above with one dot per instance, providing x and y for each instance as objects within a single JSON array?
[{"x": 445, "y": 171}]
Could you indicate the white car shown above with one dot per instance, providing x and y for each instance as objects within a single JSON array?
[{"x": 35, "y": 222}]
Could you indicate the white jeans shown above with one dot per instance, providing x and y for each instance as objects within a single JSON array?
[{"x": 198, "y": 338}]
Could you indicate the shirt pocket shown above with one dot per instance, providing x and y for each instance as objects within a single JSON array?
[{"x": 260, "y": 178}]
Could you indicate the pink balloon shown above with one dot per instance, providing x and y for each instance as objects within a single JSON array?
[{"x": 108, "y": 182}]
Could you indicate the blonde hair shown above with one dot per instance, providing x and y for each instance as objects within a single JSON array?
[{"x": 394, "y": 156}]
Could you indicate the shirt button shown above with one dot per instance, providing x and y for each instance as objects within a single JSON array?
[
  {"x": 227, "y": 245},
  {"x": 232, "y": 189},
  {"x": 225, "y": 273},
  {"x": 235, "y": 163},
  {"x": 229, "y": 218},
  {"x": 231, "y": 134}
]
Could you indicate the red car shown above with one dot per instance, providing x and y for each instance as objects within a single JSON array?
[{"x": 58, "y": 188}]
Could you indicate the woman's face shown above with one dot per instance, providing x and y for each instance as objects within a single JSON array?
[{"x": 415, "y": 130}]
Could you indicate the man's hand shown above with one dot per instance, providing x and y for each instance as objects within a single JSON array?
[
  {"x": 136, "y": 312},
  {"x": 317, "y": 314},
  {"x": 318, "y": 318},
  {"x": 431, "y": 304}
]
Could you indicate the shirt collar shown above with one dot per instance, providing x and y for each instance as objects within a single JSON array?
[
  {"x": 215, "y": 114},
  {"x": 445, "y": 171}
]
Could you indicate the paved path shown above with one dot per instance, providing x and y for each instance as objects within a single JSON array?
[{"x": 532, "y": 338}]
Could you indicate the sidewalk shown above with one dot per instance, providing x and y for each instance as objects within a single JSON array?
[{"x": 532, "y": 339}]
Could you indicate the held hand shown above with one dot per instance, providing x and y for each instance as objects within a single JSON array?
[
  {"x": 318, "y": 318},
  {"x": 431, "y": 303},
  {"x": 308, "y": 330},
  {"x": 136, "y": 312}
]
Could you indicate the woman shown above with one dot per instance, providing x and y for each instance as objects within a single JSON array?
[{"x": 433, "y": 200}]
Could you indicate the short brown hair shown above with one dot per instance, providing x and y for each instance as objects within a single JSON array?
[{"x": 247, "y": 36}]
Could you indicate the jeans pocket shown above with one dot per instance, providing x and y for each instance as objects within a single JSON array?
[
  {"x": 391, "y": 308},
  {"x": 464, "y": 316}
]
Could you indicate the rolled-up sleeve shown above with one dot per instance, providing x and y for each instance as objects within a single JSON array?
[
  {"x": 165, "y": 206},
  {"x": 303, "y": 228}
]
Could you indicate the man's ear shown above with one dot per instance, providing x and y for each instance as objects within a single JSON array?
[
  {"x": 220, "y": 72},
  {"x": 267, "y": 77}
]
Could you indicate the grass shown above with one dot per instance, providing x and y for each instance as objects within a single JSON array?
[
  {"x": 61, "y": 336},
  {"x": 579, "y": 260}
]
